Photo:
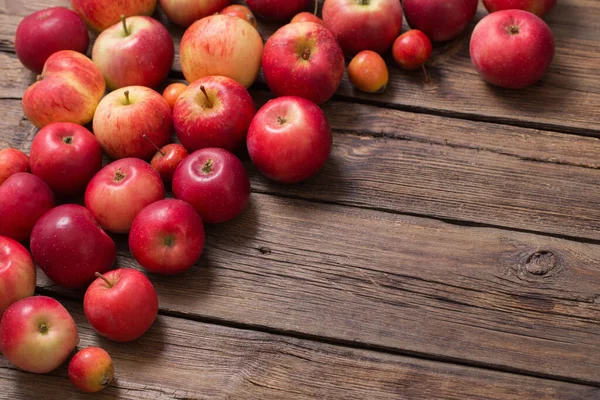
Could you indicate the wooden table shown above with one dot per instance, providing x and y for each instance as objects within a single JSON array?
[{"x": 450, "y": 249}]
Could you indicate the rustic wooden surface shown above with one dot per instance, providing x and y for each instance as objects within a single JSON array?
[{"x": 450, "y": 248}]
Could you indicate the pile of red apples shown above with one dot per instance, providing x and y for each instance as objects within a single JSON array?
[{"x": 66, "y": 202}]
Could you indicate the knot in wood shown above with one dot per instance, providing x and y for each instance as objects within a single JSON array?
[{"x": 540, "y": 263}]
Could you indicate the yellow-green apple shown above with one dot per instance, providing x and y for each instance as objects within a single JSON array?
[
  {"x": 221, "y": 45},
  {"x": 121, "y": 305},
  {"x": 66, "y": 156},
  {"x": 289, "y": 140},
  {"x": 120, "y": 190},
  {"x": 240, "y": 11},
  {"x": 37, "y": 334},
  {"x": 412, "y": 49},
  {"x": 214, "y": 182},
  {"x": 91, "y": 370},
  {"x": 43, "y": 33},
  {"x": 278, "y": 10},
  {"x": 363, "y": 24},
  {"x": 304, "y": 60},
  {"x": 68, "y": 90},
  {"x": 167, "y": 237},
  {"x": 24, "y": 198},
  {"x": 70, "y": 247},
  {"x": 186, "y": 12},
  {"x": 17, "y": 273},
  {"x": 123, "y": 118},
  {"x": 368, "y": 72},
  {"x": 538, "y": 7},
  {"x": 214, "y": 111},
  {"x": 138, "y": 51},
  {"x": 101, "y": 14},
  {"x": 167, "y": 159},
  {"x": 440, "y": 20},
  {"x": 512, "y": 48},
  {"x": 172, "y": 92},
  {"x": 11, "y": 162}
]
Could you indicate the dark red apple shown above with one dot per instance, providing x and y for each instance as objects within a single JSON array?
[
  {"x": 11, "y": 162},
  {"x": 167, "y": 159},
  {"x": 45, "y": 32},
  {"x": 289, "y": 139},
  {"x": 363, "y": 24},
  {"x": 214, "y": 111},
  {"x": 70, "y": 247},
  {"x": 24, "y": 198},
  {"x": 66, "y": 156},
  {"x": 512, "y": 48},
  {"x": 214, "y": 182},
  {"x": 538, "y": 7},
  {"x": 17, "y": 273},
  {"x": 121, "y": 305},
  {"x": 278, "y": 10},
  {"x": 440, "y": 20},
  {"x": 120, "y": 190},
  {"x": 167, "y": 237},
  {"x": 305, "y": 60}
]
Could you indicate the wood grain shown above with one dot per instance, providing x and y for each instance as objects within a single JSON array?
[
  {"x": 180, "y": 359},
  {"x": 567, "y": 99}
]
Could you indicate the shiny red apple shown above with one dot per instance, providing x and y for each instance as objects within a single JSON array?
[
  {"x": 43, "y": 33},
  {"x": 412, "y": 49},
  {"x": 214, "y": 182},
  {"x": 66, "y": 156},
  {"x": 278, "y": 10},
  {"x": 101, "y": 14},
  {"x": 167, "y": 159},
  {"x": 121, "y": 305},
  {"x": 538, "y": 7},
  {"x": 304, "y": 60},
  {"x": 91, "y": 370},
  {"x": 24, "y": 198},
  {"x": 289, "y": 139},
  {"x": 70, "y": 247},
  {"x": 17, "y": 273},
  {"x": 214, "y": 111},
  {"x": 120, "y": 190},
  {"x": 12, "y": 161},
  {"x": 440, "y": 20}
]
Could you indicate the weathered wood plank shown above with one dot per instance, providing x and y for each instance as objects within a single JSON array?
[
  {"x": 567, "y": 99},
  {"x": 179, "y": 359}
]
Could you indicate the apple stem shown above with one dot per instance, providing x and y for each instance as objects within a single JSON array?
[
  {"x": 306, "y": 54},
  {"x": 208, "y": 166},
  {"x": 127, "y": 101},
  {"x": 124, "y": 21},
  {"x": 209, "y": 103},
  {"x": 99, "y": 275},
  {"x": 316, "y": 7},
  {"x": 154, "y": 144},
  {"x": 363, "y": 2},
  {"x": 425, "y": 74},
  {"x": 39, "y": 77}
]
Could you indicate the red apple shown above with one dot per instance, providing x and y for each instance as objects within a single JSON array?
[
  {"x": 440, "y": 20},
  {"x": 137, "y": 51},
  {"x": 167, "y": 237},
  {"x": 37, "y": 334},
  {"x": 363, "y": 24},
  {"x": 214, "y": 182},
  {"x": 12, "y": 161},
  {"x": 304, "y": 60},
  {"x": 43, "y": 33},
  {"x": 368, "y": 72},
  {"x": 91, "y": 370},
  {"x": 214, "y": 111},
  {"x": 167, "y": 159},
  {"x": 240, "y": 11},
  {"x": 120, "y": 190},
  {"x": 221, "y": 45},
  {"x": 172, "y": 92},
  {"x": 123, "y": 118},
  {"x": 186, "y": 12},
  {"x": 278, "y": 10},
  {"x": 121, "y": 305},
  {"x": 289, "y": 140},
  {"x": 24, "y": 198},
  {"x": 66, "y": 156},
  {"x": 17, "y": 273},
  {"x": 68, "y": 90},
  {"x": 412, "y": 49},
  {"x": 512, "y": 48},
  {"x": 538, "y": 7},
  {"x": 69, "y": 246},
  {"x": 101, "y": 14},
  {"x": 306, "y": 17}
]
